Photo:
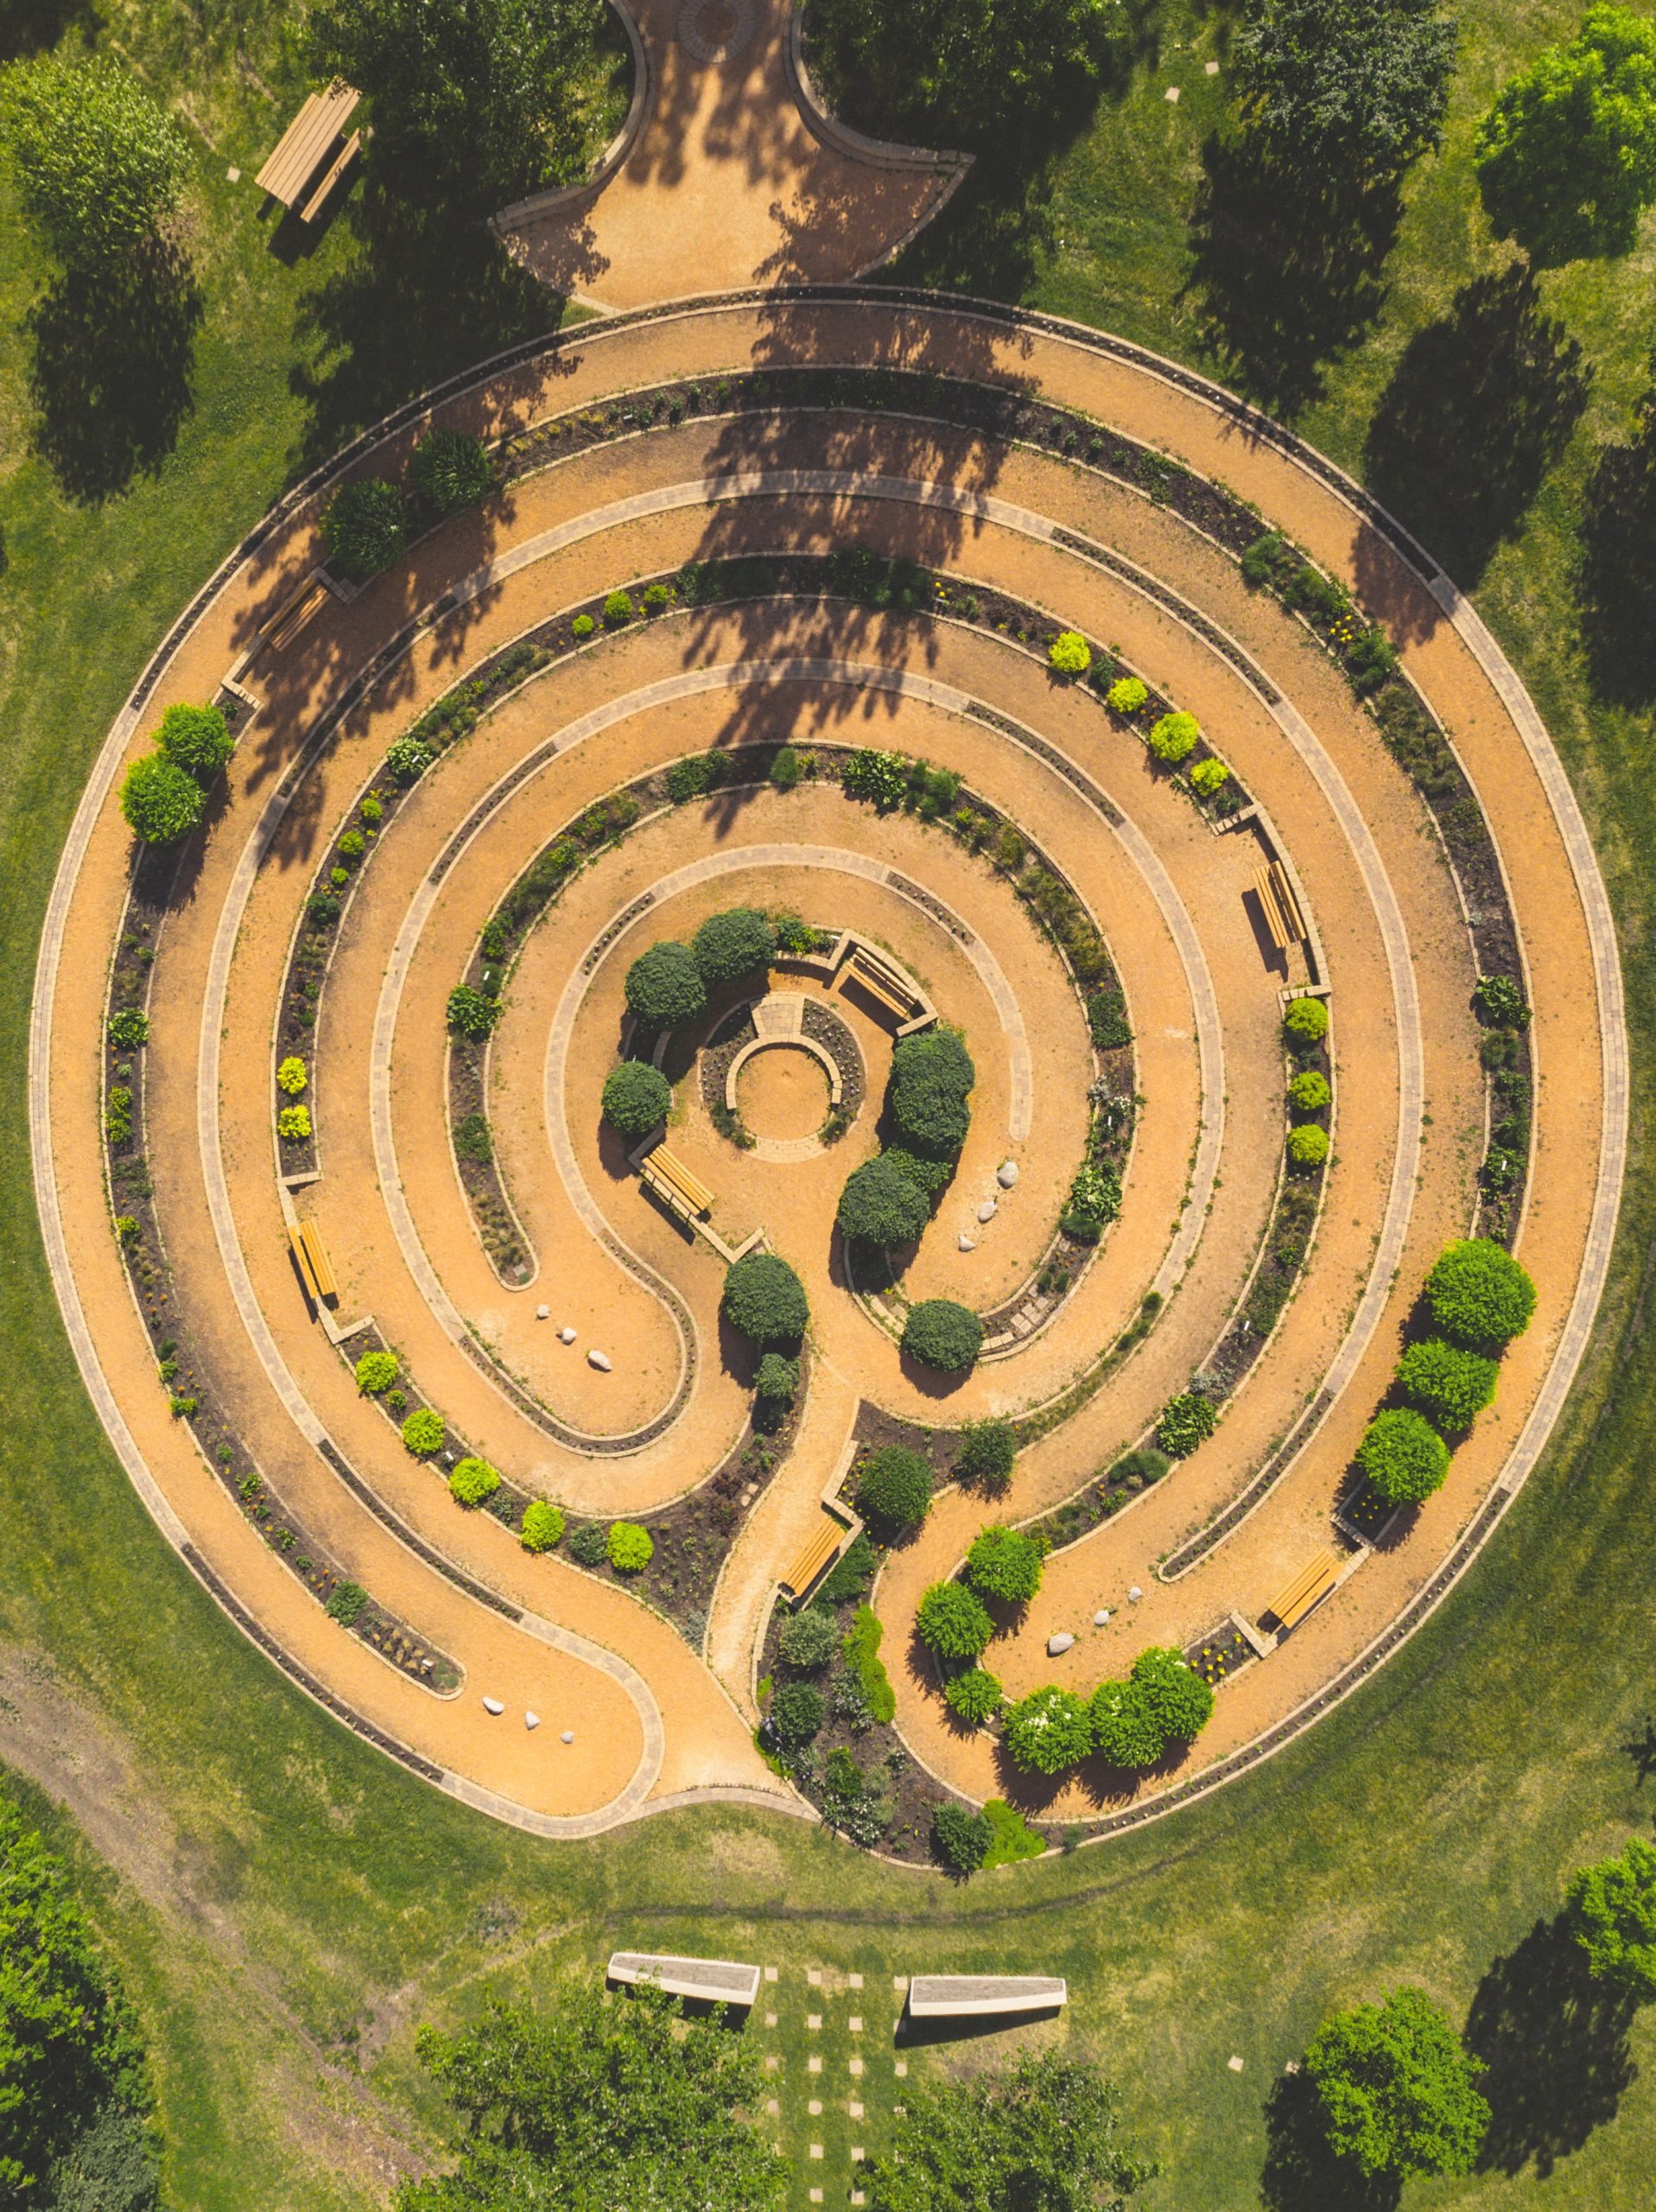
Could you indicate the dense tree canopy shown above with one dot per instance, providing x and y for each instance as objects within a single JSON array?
[
  {"x": 161, "y": 802},
  {"x": 599, "y": 2101},
  {"x": 637, "y": 1098},
  {"x": 1398, "y": 2094},
  {"x": 932, "y": 1076},
  {"x": 663, "y": 986},
  {"x": 765, "y": 1299},
  {"x": 880, "y": 1205},
  {"x": 1567, "y": 155},
  {"x": 1612, "y": 1915},
  {"x": 1354, "y": 85},
  {"x": 942, "y": 1333},
  {"x": 734, "y": 944},
  {"x": 1479, "y": 1294},
  {"x": 100, "y": 165}
]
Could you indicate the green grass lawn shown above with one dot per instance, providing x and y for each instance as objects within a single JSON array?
[{"x": 284, "y": 1904}]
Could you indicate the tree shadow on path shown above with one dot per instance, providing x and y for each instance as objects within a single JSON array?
[
  {"x": 1555, "y": 2043},
  {"x": 1301, "y": 2173},
  {"x": 1480, "y": 406}
]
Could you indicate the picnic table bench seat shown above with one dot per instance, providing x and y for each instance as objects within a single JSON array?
[
  {"x": 883, "y": 983},
  {"x": 305, "y": 145}
]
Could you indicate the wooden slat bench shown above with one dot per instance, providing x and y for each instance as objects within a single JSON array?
[
  {"x": 1308, "y": 1588},
  {"x": 304, "y": 145},
  {"x": 676, "y": 1183},
  {"x": 290, "y": 619},
  {"x": 322, "y": 1268},
  {"x": 336, "y": 169},
  {"x": 1281, "y": 884},
  {"x": 816, "y": 1555},
  {"x": 1276, "y": 921},
  {"x": 301, "y": 1260},
  {"x": 878, "y": 980}
]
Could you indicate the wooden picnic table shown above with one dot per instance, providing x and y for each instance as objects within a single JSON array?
[{"x": 305, "y": 145}]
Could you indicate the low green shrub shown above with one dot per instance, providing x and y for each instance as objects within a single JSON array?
[
  {"x": 1138, "y": 1470},
  {"x": 952, "y": 1621},
  {"x": 375, "y": 1371},
  {"x": 344, "y": 1603},
  {"x": 1174, "y": 736},
  {"x": 1128, "y": 695},
  {"x": 1047, "y": 1731},
  {"x": 1070, "y": 654},
  {"x": 882, "y": 778},
  {"x": 1124, "y": 1730},
  {"x": 424, "y": 1432},
  {"x": 589, "y": 1545},
  {"x": 988, "y": 1450},
  {"x": 764, "y": 1301},
  {"x": 1186, "y": 1421},
  {"x": 894, "y": 1486},
  {"x": 797, "y": 1712},
  {"x": 974, "y": 1697},
  {"x": 1013, "y": 1837},
  {"x": 324, "y": 908},
  {"x": 128, "y": 1029},
  {"x": 1094, "y": 1203},
  {"x": 470, "y": 1012},
  {"x": 1478, "y": 1295},
  {"x": 408, "y": 758},
  {"x": 291, "y": 1075},
  {"x": 851, "y": 1573},
  {"x": 730, "y": 946},
  {"x": 960, "y": 1838},
  {"x": 450, "y": 469},
  {"x": 942, "y": 1335},
  {"x": 809, "y": 1640},
  {"x": 1450, "y": 1385},
  {"x": 1207, "y": 776},
  {"x": 1305, "y": 1023},
  {"x": 352, "y": 846},
  {"x": 861, "y": 1646},
  {"x": 1178, "y": 1699},
  {"x": 195, "y": 738},
  {"x": 293, "y": 1124},
  {"x": 1500, "y": 1002},
  {"x": 631, "y": 1547},
  {"x": 1308, "y": 1145},
  {"x": 788, "y": 769},
  {"x": 542, "y": 1525},
  {"x": 581, "y": 628},
  {"x": 472, "y": 1141},
  {"x": 473, "y": 1481},
  {"x": 128, "y": 1231},
  {"x": 663, "y": 987},
  {"x": 1005, "y": 1563},
  {"x": 656, "y": 598},
  {"x": 637, "y": 1098},
  {"x": 1308, "y": 1092},
  {"x": 1403, "y": 1456},
  {"x": 619, "y": 610},
  {"x": 777, "y": 1379},
  {"x": 366, "y": 527},
  {"x": 117, "y": 1114},
  {"x": 696, "y": 775},
  {"x": 160, "y": 801}
]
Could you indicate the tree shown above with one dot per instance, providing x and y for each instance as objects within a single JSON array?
[
  {"x": 100, "y": 166},
  {"x": 474, "y": 103},
  {"x": 637, "y": 1098},
  {"x": 161, "y": 803},
  {"x": 1048, "y": 1731},
  {"x": 729, "y": 946},
  {"x": 1179, "y": 1701},
  {"x": 960, "y": 1838},
  {"x": 450, "y": 469},
  {"x": 974, "y": 1697},
  {"x": 663, "y": 987},
  {"x": 1611, "y": 1912},
  {"x": 953, "y": 1621},
  {"x": 894, "y": 1486},
  {"x": 195, "y": 738},
  {"x": 1398, "y": 2094},
  {"x": 797, "y": 1711},
  {"x": 1403, "y": 1456},
  {"x": 600, "y": 2101},
  {"x": 1354, "y": 88},
  {"x": 943, "y": 1335},
  {"x": 1479, "y": 1294},
  {"x": 765, "y": 1301},
  {"x": 1452, "y": 1387},
  {"x": 988, "y": 1450},
  {"x": 881, "y": 1206},
  {"x": 366, "y": 527},
  {"x": 1566, "y": 157},
  {"x": 1006, "y": 1564},
  {"x": 932, "y": 1075}
]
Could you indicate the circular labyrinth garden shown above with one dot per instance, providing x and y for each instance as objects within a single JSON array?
[{"x": 900, "y": 1082}]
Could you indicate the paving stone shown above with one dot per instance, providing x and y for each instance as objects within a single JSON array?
[
  {"x": 902, "y": 2067},
  {"x": 816, "y": 2150},
  {"x": 854, "y": 2109},
  {"x": 770, "y": 1973},
  {"x": 815, "y": 2108},
  {"x": 854, "y": 1980},
  {"x": 813, "y": 2020},
  {"x": 814, "y": 1975},
  {"x": 856, "y": 2066},
  {"x": 815, "y": 2064},
  {"x": 770, "y": 2019},
  {"x": 1234, "y": 2064},
  {"x": 855, "y": 2024}
]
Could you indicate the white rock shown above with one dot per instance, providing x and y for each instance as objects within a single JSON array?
[
  {"x": 987, "y": 1210},
  {"x": 969, "y": 1244},
  {"x": 566, "y": 1336},
  {"x": 1006, "y": 1174},
  {"x": 601, "y": 1360},
  {"x": 543, "y": 1313},
  {"x": 567, "y": 1736},
  {"x": 1134, "y": 1594},
  {"x": 531, "y": 1720},
  {"x": 1101, "y": 1618},
  {"x": 1172, "y": 94},
  {"x": 1061, "y": 1642},
  {"x": 492, "y": 1704}
]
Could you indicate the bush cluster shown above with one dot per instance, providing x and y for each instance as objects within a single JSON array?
[{"x": 943, "y": 1335}]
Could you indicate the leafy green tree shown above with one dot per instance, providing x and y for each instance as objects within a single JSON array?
[
  {"x": 599, "y": 2101},
  {"x": 1450, "y": 1387},
  {"x": 1611, "y": 1912},
  {"x": 976, "y": 1696},
  {"x": 1403, "y": 1456},
  {"x": 894, "y": 1486},
  {"x": 1043, "y": 2136},
  {"x": 195, "y": 738},
  {"x": 1004, "y": 1563},
  {"x": 1048, "y": 1731},
  {"x": 932, "y": 1076},
  {"x": 1126, "y": 1731},
  {"x": 449, "y": 469},
  {"x": 366, "y": 527},
  {"x": 1357, "y": 88},
  {"x": 474, "y": 103},
  {"x": 960, "y": 1838},
  {"x": 1479, "y": 1294},
  {"x": 100, "y": 166},
  {"x": 161, "y": 803},
  {"x": 663, "y": 987},
  {"x": 765, "y": 1301},
  {"x": 988, "y": 1450},
  {"x": 730, "y": 946},
  {"x": 1566, "y": 157},
  {"x": 880, "y": 1206},
  {"x": 1398, "y": 2094},
  {"x": 637, "y": 1098},
  {"x": 943, "y": 1334},
  {"x": 952, "y": 1621},
  {"x": 1180, "y": 1702},
  {"x": 797, "y": 1711}
]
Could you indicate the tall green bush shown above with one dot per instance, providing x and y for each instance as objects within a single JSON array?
[
  {"x": 880, "y": 1206},
  {"x": 100, "y": 165},
  {"x": 943, "y": 1335},
  {"x": 1478, "y": 1295},
  {"x": 894, "y": 1486},
  {"x": 160, "y": 802},
  {"x": 952, "y": 1621},
  {"x": 1404, "y": 1457},
  {"x": 1450, "y": 1386},
  {"x": 637, "y": 1098},
  {"x": 765, "y": 1299},
  {"x": 663, "y": 987},
  {"x": 1006, "y": 1564},
  {"x": 730, "y": 946},
  {"x": 1048, "y": 1731},
  {"x": 932, "y": 1076}
]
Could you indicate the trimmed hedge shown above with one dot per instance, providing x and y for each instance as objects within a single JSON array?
[
  {"x": 943, "y": 1335},
  {"x": 881, "y": 1206},
  {"x": 894, "y": 1486},
  {"x": 1479, "y": 1294},
  {"x": 764, "y": 1301},
  {"x": 1403, "y": 1456},
  {"x": 860, "y": 1646}
]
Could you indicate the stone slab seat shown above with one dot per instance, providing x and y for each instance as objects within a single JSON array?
[
  {"x": 719, "y": 1981},
  {"x": 960, "y": 1996}
]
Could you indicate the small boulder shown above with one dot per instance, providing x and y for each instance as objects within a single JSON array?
[
  {"x": 1006, "y": 1174},
  {"x": 601, "y": 1360},
  {"x": 567, "y": 1736},
  {"x": 987, "y": 1210},
  {"x": 531, "y": 1720},
  {"x": 1134, "y": 1594},
  {"x": 543, "y": 1313},
  {"x": 1061, "y": 1642},
  {"x": 1101, "y": 1617},
  {"x": 969, "y": 1244},
  {"x": 492, "y": 1704},
  {"x": 566, "y": 1336}
]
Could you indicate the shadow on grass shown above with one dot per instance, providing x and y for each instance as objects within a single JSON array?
[
  {"x": 1617, "y": 583},
  {"x": 1301, "y": 2173},
  {"x": 1480, "y": 407},
  {"x": 111, "y": 380},
  {"x": 31, "y": 26},
  {"x": 1287, "y": 269},
  {"x": 1555, "y": 2043}
]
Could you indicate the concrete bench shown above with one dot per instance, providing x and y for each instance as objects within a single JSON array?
[
  {"x": 961, "y": 1996},
  {"x": 718, "y": 1981}
]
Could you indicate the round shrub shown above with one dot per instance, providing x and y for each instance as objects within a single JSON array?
[
  {"x": 960, "y": 1838},
  {"x": 1450, "y": 1386},
  {"x": 365, "y": 527},
  {"x": 1308, "y": 1145},
  {"x": 764, "y": 1301},
  {"x": 1478, "y": 1295},
  {"x": 975, "y": 1696},
  {"x": 1004, "y": 1563},
  {"x": 129, "y": 1028},
  {"x": 196, "y": 738},
  {"x": 931, "y": 1077},
  {"x": 952, "y": 1622},
  {"x": 1308, "y": 1092},
  {"x": 1126, "y": 1731},
  {"x": 797, "y": 1713},
  {"x": 293, "y": 1124},
  {"x": 942, "y": 1335},
  {"x": 894, "y": 1486},
  {"x": 408, "y": 758},
  {"x": 1126, "y": 695},
  {"x": 618, "y": 609},
  {"x": 989, "y": 1448},
  {"x": 1137, "y": 1470},
  {"x": 375, "y": 1371},
  {"x": 473, "y": 1481},
  {"x": 809, "y": 1640},
  {"x": 880, "y": 1205},
  {"x": 1070, "y": 653},
  {"x": 1186, "y": 1421},
  {"x": 161, "y": 803},
  {"x": 663, "y": 987},
  {"x": 1403, "y": 1456},
  {"x": 449, "y": 469},
  {"x": 1207, "y": 777},
  {"x": 470, "y": 1012},
  {"x": 352, "y": 846},
  {"x": 1048, "y": 1731},
  {"x": 729, "y": 946},
  {"x": 630, "y": 1546},
  {"x": 1179, "y": 1701},
  {"x": 424, "y": 1432},
  {"x": 291, "y": 1075},
  {"x": 590, "y": 1544},
  {"x": 637, "y": 1098},
  {"x": 777, "y": 1379},
  {"x": 542, "y": 1525},
  {"x": 1305, "y": 1023},
  {"x": 581, "y": 628},
  {"x": 1174, "y": 736}
]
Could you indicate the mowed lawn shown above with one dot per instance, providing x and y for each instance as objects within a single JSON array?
[{"x": 286, "y": 1906}]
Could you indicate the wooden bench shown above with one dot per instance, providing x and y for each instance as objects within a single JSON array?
[
  {"x": 820, "y": 1549},
  {"x": 673, "y": 1180},
  {"x": 879, "y": 981},
  {"x": 315, "y": 1268},
  {"x": 288, "y": 622},
  {"x": 341, "y": 161},
  {"x": 1281, "y": 909},
  {"x": 1308, "y": 1588},
  {"x": 305, "y": 145},
  {"x": 301, "y": 1260}
]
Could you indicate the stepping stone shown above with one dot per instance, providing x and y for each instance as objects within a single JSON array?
[
  {"x": 492, "y": 1704},
  {"x": 815, "y": 2108},
  {"x": 987, "y": 1210},
  {"x": 771, "y": 2105},
  {"x": 232, "y": 176},
  {"x": 543, "y": 1313},
  {"x": 567, "y": 1736},
  {"x": 771, "y": 1975},
  {"x": 817, "y": 2196},
  {"x": 1171, "y": 95},
  {"x": 770, "y": 2019},
  {"x": 856, "y": 2066},
  {"x": 814, "y": 1975},
  {"x": 814, "y": 2065},
  {"x": 816, "y": 2152},
  {"x": 854, "y": 2109},
  {"x": 1134, "y": 1594},
  {"x": 531, "y": 1720},
  {"x": 1101, "y": 1617},
  {"x": 855, "y": 1980},
  {"x": 1006, "y": 1174},
  {"x": 855, "y": 2024},
  {"x": 858, "y": 2155},
  {"x": 566, "y": 1336},
  {"x": 601, "y": 1360},
  {"x": 969, "y": 1244},
  {"x": 1234, "y": 2064},
  {"x": 813, "y": 2020},
  {"x": 771, "y": 2063},
  {"x": 902, "y": 2068},
  {"x": 1210, "y": 68},
  {"x": 1061, "y": 1642}
]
